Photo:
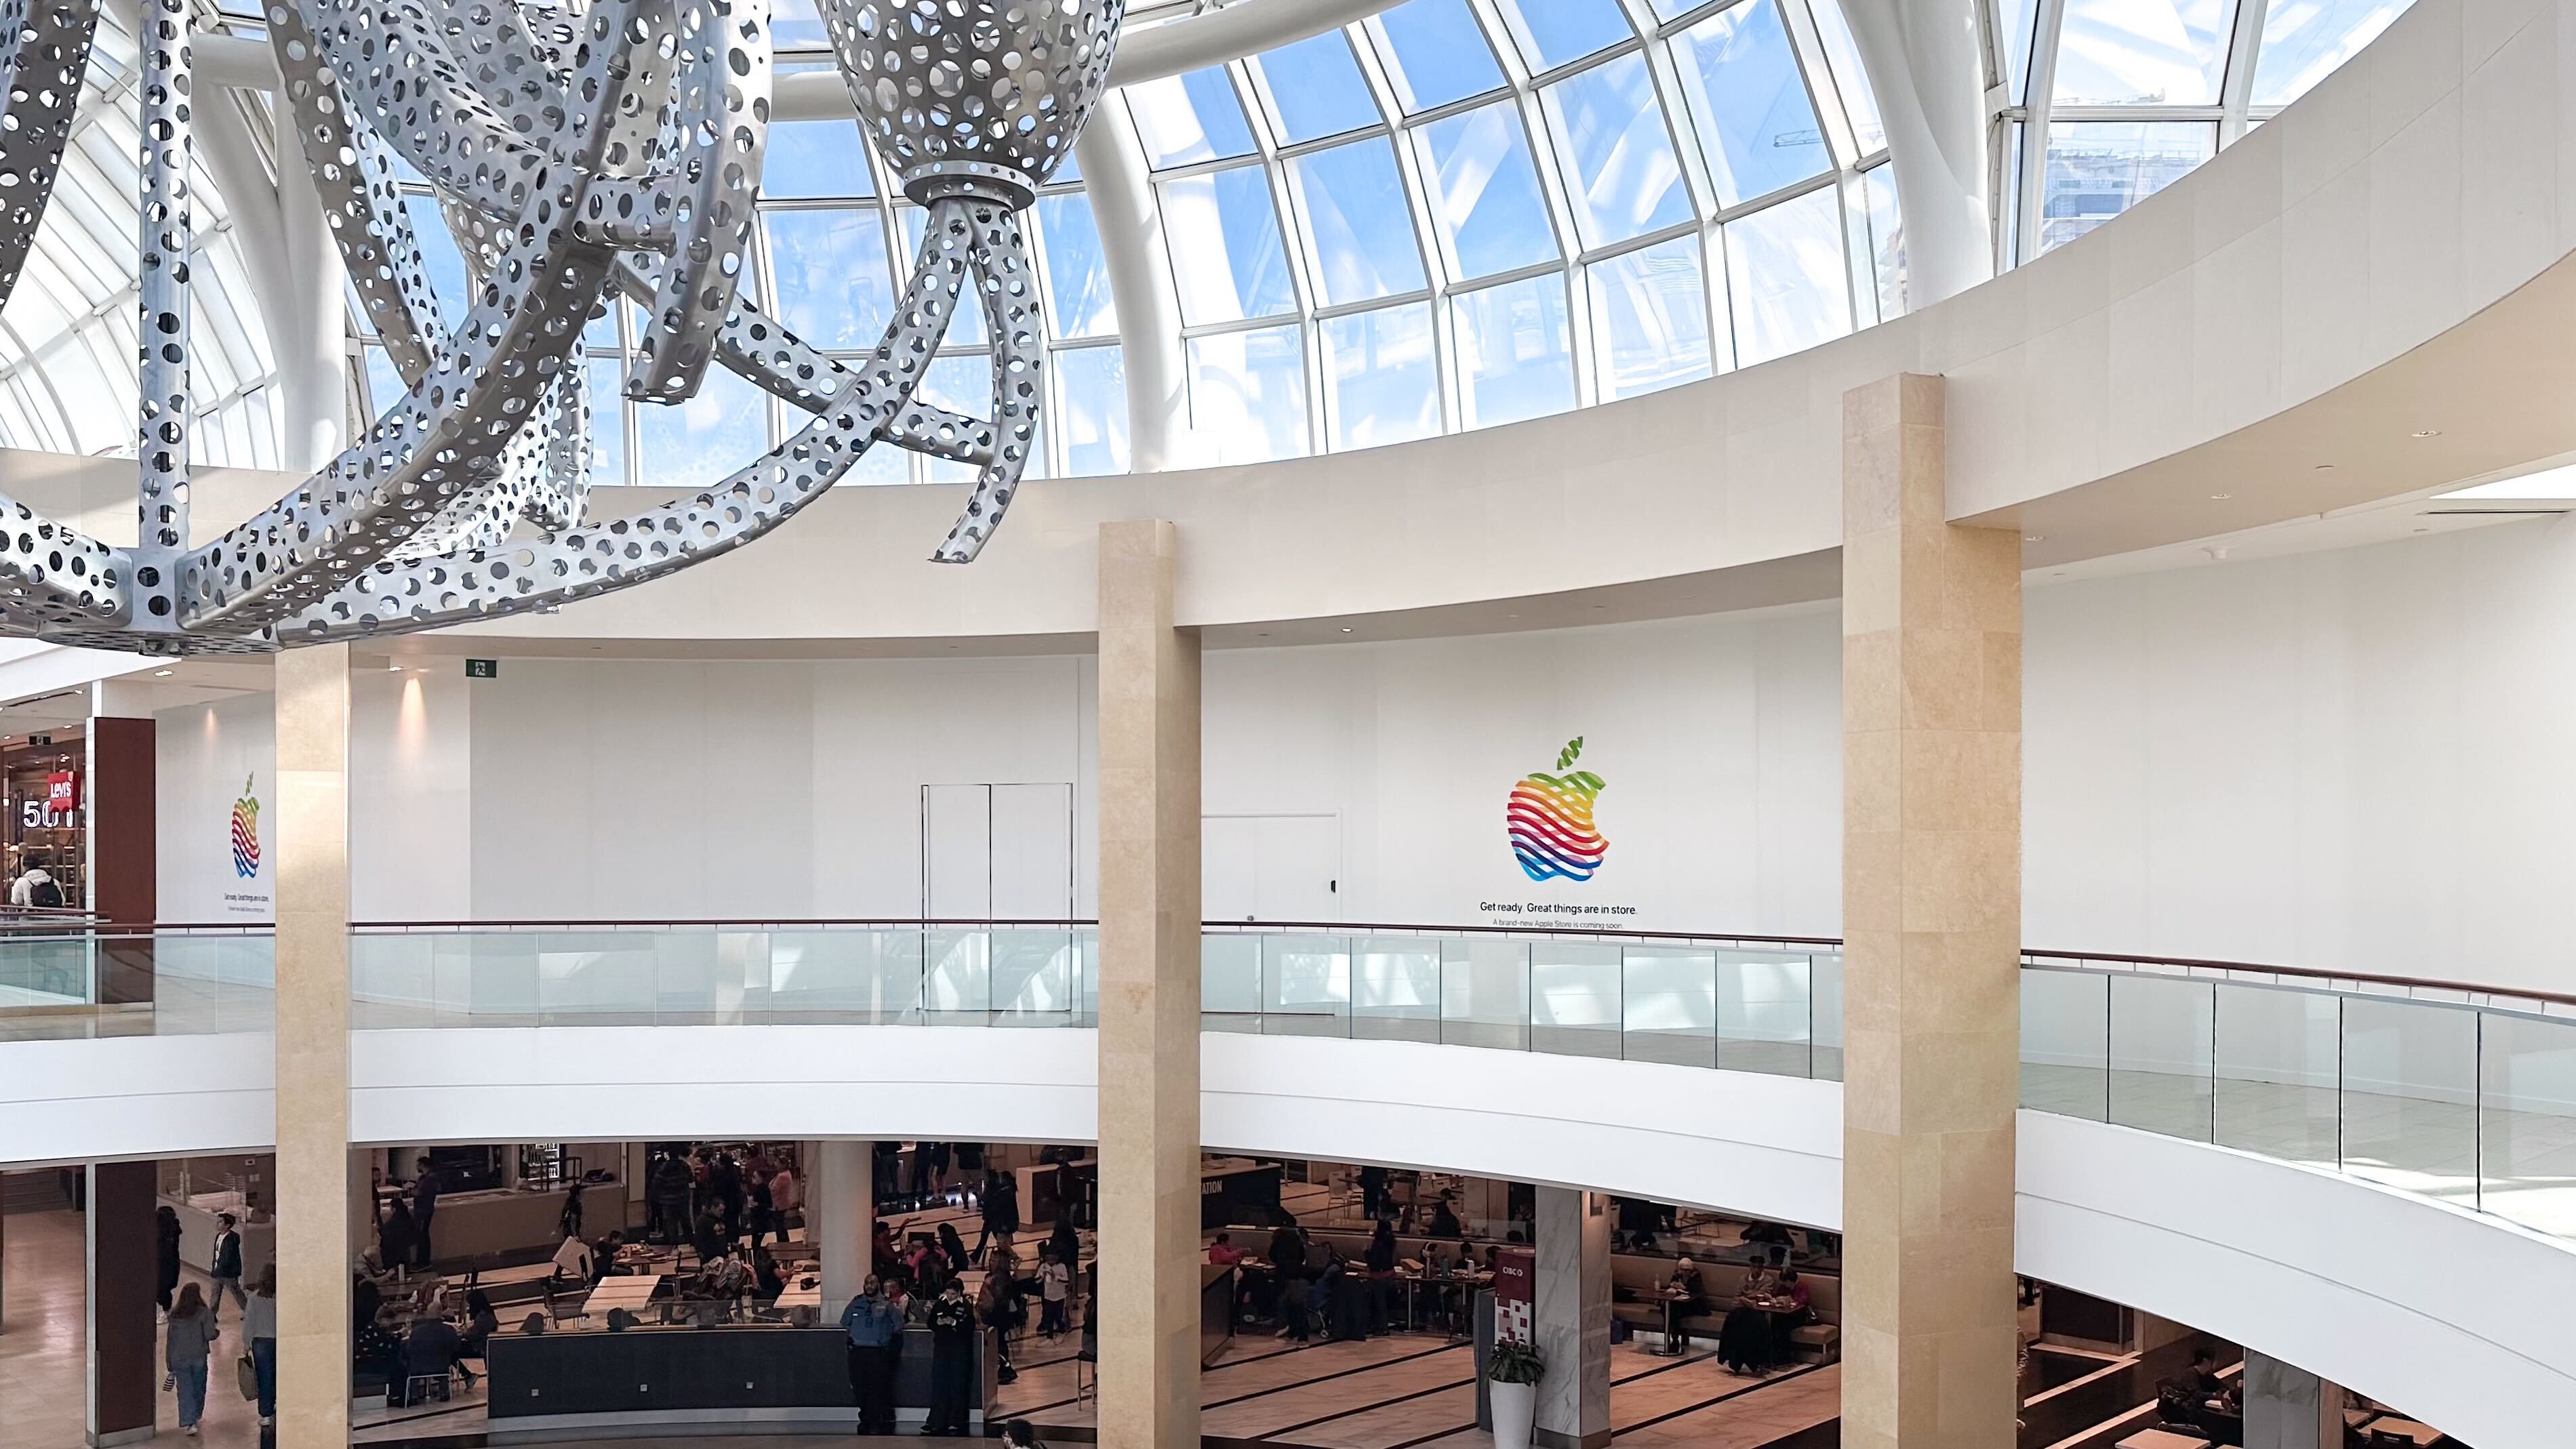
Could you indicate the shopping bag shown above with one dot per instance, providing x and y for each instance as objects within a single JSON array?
[{"x": 248, "y": 1372}]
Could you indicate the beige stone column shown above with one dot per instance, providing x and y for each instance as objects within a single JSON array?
[
  {"x": 312, "y": 847},
  {"x": 1932, "y": 915},
  {"x": 1149, "y": 998}
]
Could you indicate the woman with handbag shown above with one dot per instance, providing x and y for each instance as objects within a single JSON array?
[
  {"x": 259, "y": 1325},
  {"x": 185, "y": 1348}
]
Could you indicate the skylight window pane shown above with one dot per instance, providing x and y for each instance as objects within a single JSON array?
[
  {"x": 1316, "y": 89},
  {"x": 1514, "y": 357},
  {"x": 1485, "y": 192},
  {"x": 1357, "y": 225},
  {"x": 1886, "y": 240},
  {"x": 1248, "y": 394},
  {"x": 815, "y": 158},
  {"x": 1550, "y": 33},
  {"x": 2154, "y": 52},
  {"x": 1382, "y": 376},
  {"x": 2015, "y": 20},
  {"x": 385, "y": 384},
  {"x": 2305, "y": 39},
  {"x": 1187, "y": 118},
  {"x": 1436, "y": 53},
  {"x": 1077, "y": 275},
  {"x": 1610, "y": 128},
  {"x": 438, "y": 254},
  {"x": 1785, "y": 277},
  {"x": 605, "y": 378},
  {"x": 961, "y": 385},
  {"x": 2098, "y": 169},
  {"x": 829, "y": 268},
  {"x": 1851, "y": 78},
  {"x": 1650, "y": 318},
  {"x": 1093, "y": 381},
  {"x": 1757, "y": 127},
  {"x": 1226, "y": 254},
  {"x": 796, "y": 25},
  {"x": 701, "y": 442}
]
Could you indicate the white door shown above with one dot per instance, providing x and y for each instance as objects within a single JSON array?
[
  {"x": 957, "y": 852},
  {"x": 997, "y": 852},
  {"x": 1270, "y": 867}
]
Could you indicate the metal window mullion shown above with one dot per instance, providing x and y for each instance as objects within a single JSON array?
[
  {"x": 1438, "y": 267},
  {"x": 1297, "y": 243},
  {"x": 1719, "y": 298},
  {"x": 1642, "y": 240},
  {"x": 1340, "y": 310},
  {"x": 2039, "y": 100},
  {"x": 2123, "y": 115},
  {"x": 1288, "y": 150},
  {"x": 1860, "y": 262},
  {"x": 1790, "y": 192},
  {"x": 1808, "y": 45},
  {"x": 1504, "y": 279},
  {"x": 2236, "y": 87}
]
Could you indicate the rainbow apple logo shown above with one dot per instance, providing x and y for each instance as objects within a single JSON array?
[
  {"x": 1549, "y": 820},
  {"x": 246, "y": 833}
]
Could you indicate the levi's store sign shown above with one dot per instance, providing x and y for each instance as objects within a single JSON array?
[{"x": 62, "y": 792}]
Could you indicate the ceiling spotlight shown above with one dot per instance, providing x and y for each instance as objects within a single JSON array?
[
  {"x": 1346, "y": 630},
  {"x": 160, "y": 673},
  {"x": 393, "y": 666},
  {"x": 2033, "y": 537},
  {"x": 2428, "y": 432},
  {"x": 2220, "y": 497}
]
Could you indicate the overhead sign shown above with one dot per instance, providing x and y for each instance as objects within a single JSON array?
[
  {"x": 482, "y": 668},
  {"x": 62, "y": 792}
]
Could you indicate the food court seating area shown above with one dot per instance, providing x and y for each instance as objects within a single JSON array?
[{"x": 1634, "y": 1279}]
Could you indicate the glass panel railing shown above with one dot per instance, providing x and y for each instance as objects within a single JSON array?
[
  {"x": 2466, "y": 1097},
  {"x": 69, "y": 983}
]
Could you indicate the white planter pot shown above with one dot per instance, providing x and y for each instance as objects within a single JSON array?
[{"x": 1515, "y": 1406}]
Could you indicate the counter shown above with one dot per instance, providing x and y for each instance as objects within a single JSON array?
[
  {"x": 516, "y": 1221},
  {"x": 669, "y": 1378}
]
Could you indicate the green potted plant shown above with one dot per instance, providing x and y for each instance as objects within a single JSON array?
[{"x": 1514, "y": 1369}]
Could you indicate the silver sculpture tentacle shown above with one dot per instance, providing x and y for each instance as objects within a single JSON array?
[
  {"x": 44, "y": 52},
  {"x": 1001, "y": 260},
  {"x": 166, "y": 233},
  {"x": 761, "y": 349},
  {"x": 572, "y": 150},
  {"x": 595, "y": 558},
  {"x": 354, "y": 174},
  {"x": 720, "y": 104}
]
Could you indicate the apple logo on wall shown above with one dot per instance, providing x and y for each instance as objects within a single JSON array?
[{"x": 1549, "y": 821}]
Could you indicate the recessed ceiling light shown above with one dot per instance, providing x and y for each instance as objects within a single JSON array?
[
  {"x": 2033, "y": 537},
  {"x": 2220, "y": 497},
  {"x": 2428, "y": 432},
  {"x": 393, "y": 666},
  {"x": 160, "y": 673}
]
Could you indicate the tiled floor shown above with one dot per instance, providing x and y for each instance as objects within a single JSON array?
[{"x": 44, "y": 1344}]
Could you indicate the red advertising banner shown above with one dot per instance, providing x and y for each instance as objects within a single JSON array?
[
  {"x": 62, "y": 792},
  {"x": 1516, "y": 1295}
]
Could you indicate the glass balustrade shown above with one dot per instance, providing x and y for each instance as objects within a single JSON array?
[{"x": 2463, "y": 1097}]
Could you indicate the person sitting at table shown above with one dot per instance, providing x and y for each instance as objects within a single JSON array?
[
  {"x": 1685, "y": 1294},
  {"x": 1223, "y": 1253},
  {"x": 371, "y": 1348},
  {"x": 952, "y": 1247},
  {"x": 710, "y": 1236},
  {"x": 481, "y": 1322},
  {"x": 1444, "y": 1221},
  {"x": 1744, "y": 1340},
  {"x": 604, "y": 1257},
  {"x": 431, "y": 1349},
  {"x": 2205, "y": 1381},
  {"x": 766, "y": 1281}
]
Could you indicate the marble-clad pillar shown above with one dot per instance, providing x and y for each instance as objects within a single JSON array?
[
  {"x": 840, "y": 1213},
  {"x": 2287, "y": 1407},
  {"x": 312, "y": 847},
  {"x": 1571, "y": 1306},
  {"x": 1149, "y": 998},
  {"x": 1931, "y": 919}
]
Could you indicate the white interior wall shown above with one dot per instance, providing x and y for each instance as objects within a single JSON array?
[{"x": 2353, "y": 760}]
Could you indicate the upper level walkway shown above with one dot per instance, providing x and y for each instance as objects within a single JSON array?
[{"x": 2373, "y": 1179}]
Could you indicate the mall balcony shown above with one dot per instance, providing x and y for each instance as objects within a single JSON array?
[{"x": 1758, "y": 724}]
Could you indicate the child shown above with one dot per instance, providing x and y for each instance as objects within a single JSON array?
[{"x": 1055, "y": 1282}]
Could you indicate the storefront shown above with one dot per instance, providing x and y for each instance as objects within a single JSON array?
[{"x": 47, "y": 787}]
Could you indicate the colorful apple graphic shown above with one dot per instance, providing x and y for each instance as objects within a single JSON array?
[
  {"x": 1549, "y": 820},
  {"x": 246, "y": 832}
]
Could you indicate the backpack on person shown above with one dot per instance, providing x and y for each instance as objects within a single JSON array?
[{"x": 45, "y": 894}]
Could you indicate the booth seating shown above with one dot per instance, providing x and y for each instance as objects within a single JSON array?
[{"x": 1636, "y": 1279}]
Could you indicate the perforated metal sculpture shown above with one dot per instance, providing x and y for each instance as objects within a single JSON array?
[{"x": 579, "y": 154}]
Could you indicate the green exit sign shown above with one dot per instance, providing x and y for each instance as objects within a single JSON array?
[{"x": 482, "y": 668}]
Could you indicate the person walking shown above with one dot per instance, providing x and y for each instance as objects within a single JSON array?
[
  {"x": 875, "y": 1328},
  {"x": 952, "y": 1360},
  {"x": 570, "y": 1222},
  {"x": 668, "y": 1188},
  {"x": 1001, "y": 1206},
  {"x": 165, "y": 1228},
  {"x": 186, "y": 1345},
  {"x": 226, "y": 1266},
  {"x": 259, "y": 1325}
]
